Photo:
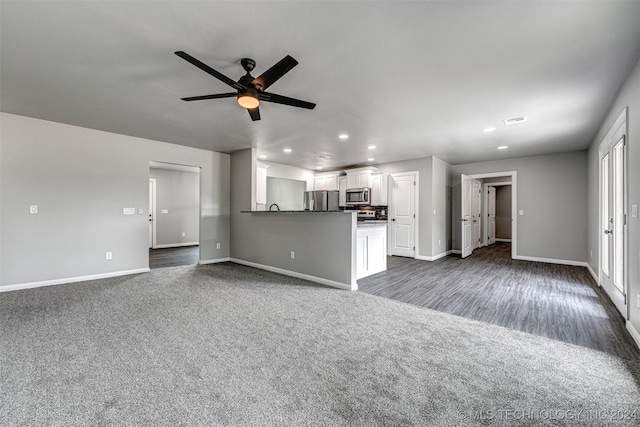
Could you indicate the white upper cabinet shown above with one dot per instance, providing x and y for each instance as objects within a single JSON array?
[
  {"x": 379, "y": 188},
  {"x": 342, "y": 185},
  {"x": 327, "y": 181},
  {"x": 359, "y": 178}
]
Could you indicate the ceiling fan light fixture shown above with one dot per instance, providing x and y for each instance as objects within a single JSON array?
[{"x": 248, "y": 100}]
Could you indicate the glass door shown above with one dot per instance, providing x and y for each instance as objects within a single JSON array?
[{"x": 613, "y": 215}]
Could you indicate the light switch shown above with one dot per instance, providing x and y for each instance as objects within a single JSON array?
[
  {"x": 165, "y": 211},
  {"x": 33, "y": 209},
  {"x": 634, "y": 211},
  {"x": 521, "y": 212},
  {"x": 139, "y": 211}
]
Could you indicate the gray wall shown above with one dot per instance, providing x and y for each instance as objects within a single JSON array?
[
  {"x": 629, "y": 96},
  {"x": 324, "y": 243},
  {"x": 552, "y": 191},
  {"x": 178, "y": 193},
  {"x": 82, "y": 179},
  {"x": 286, "y": 193},
  {"x": 503, "y": 212}
]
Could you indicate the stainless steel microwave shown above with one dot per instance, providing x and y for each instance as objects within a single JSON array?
[{"x": 358, "y": 196}]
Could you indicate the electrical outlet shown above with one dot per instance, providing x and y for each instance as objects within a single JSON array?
[
  {"x": 109, "y": 255},
  {"x": 33, "y": 209},
  {"x": 439, "y": 242},
  {"x": 293, "y": 255},
  {"x": 217, "y": 245},
  {"x": 591, "y": 253},
  {"x": 184, "y": 234}
]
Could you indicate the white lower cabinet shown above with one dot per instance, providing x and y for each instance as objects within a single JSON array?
[{"x": 371, "y": 250}]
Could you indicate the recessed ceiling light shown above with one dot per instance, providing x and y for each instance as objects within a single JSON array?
[
  {"x": 371, "y": 160},
  {"x": 371, "y": 147},
  {"x": 319, "y": 167},
  {"x": 263, "y": 156},
  {"x": 489, "y": 129},
  {"x": 324, "y": 157},
  {"x": 343, "y": 136},
  {"x": 515, "y": 120},
  {"x": 287, "y": 150},
  {"x": 503, "y": 147}
]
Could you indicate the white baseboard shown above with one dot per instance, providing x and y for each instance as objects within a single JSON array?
[
  {"x": 552, "y": 260},
  {"x": 634, "y": 333},
  {"x": 320, "y": 280},
  {"x": 175, "y": 245},
  {"x": 30, "y": 285},
  {"x": 593, "y": 274},
  {"x": 213, "y": 261},
  {"x": 433, "y": 258},
  {"x": 503, "y": 240}
]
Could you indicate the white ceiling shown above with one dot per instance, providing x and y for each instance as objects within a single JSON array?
[{"x": 412, "y": 78}]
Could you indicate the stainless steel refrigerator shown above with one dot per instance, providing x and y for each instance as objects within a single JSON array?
[{"x": 321, "y": 200}]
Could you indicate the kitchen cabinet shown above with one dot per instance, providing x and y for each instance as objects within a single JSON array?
[
  {"x": 261, "y": 184},
  {"x": 327, "y": 181},
  {"x": 371, "y": 250},
  {"x": 359, "y": 178},
  {"x": 342, "y": 187},
  {"x": 379, "y": 189}
]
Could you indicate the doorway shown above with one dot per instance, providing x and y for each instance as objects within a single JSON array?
[
  {"x": 475, "y": 230},
  {"x": 403, "y": 199},
  {"x": 174, "y": 214},
  {"x": 613, "y": 232}
]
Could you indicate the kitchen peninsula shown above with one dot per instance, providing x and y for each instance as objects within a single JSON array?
[{"x": 328, "y": 247}]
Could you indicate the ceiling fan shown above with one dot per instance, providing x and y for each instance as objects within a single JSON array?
[{"x": 249, "y": 90}]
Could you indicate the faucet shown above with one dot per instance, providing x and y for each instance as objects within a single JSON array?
[{"x": 272, "y": 205}]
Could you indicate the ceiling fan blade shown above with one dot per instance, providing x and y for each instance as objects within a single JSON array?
[
  {"x": 214, "y": 96},
  {"x": 204, "y": 67},
  {"x": 254, "y": 113},
  {"x": 279, "y": 99},
  {"x": 269, "y": 77}
]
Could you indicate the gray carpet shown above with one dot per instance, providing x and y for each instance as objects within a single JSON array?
[{"x": 231, "y": 345}]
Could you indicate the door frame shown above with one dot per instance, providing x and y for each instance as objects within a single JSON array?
[
  {"x": 485, "y": 205},
  {"x": 416, "y": 211},
  {"x": 152, "y": 181},
  {"x": 618, "y": 130},
  {"x": 514, "y": 202}
]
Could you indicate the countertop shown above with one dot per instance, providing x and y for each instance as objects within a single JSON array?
[
  {"x": 297, "y": 212},
  {"x": 372, "y": 223}
]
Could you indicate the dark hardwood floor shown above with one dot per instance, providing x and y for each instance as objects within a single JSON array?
[
  {"x": 555, "y": 301},
  {"x": 173, "y": 257}
]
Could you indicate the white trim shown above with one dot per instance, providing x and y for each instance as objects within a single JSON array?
[
  {"x": 634, "y": 333},
  {"x": 154, "y": 233},
  {"x": 593, "y": 274},
  {"x": 176, "y": 245},
  {"x": 213, "y": 261},
  {"x": 64, "y": 281},
  {"x": 503, "y": 240},
  {"x": 352, "y": 287},
  {"x": 433, "y": 258},
  {"x": 552, "y": 260},
  {"x": 514, "y": 203}
]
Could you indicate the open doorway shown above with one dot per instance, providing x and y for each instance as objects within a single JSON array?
[
  {"x": 477, "y": 227},
  {"x": 174, "y": 215}
]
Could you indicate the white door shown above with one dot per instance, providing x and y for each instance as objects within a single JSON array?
[
  {"x": 152, "y": 211},
  {"x": 402, "y": 215},
  {"x": 613, "y": 207},
  {"x": 491, "y": 215},
  {"x": 476, "y": 211},
  {"x": 465, "y": 220}
]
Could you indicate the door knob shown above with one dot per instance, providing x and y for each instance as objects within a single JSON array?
[
  {"x": 608, "y": 231},
  {"x": 393, "y": 219}
]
